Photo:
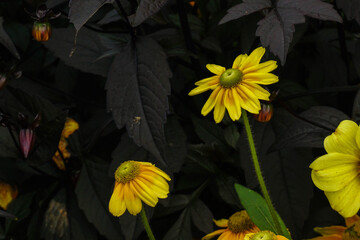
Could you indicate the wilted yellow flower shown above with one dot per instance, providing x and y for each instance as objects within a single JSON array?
[
  {"x": 238, "y": 225},
  {"x": 264, "y": 235},
  {"x": 136, "y": 182},
  {"x": 70, "y": 127},
  {"x": 237, "y": 87},
  {"x": 7, "y": 194},
  {"x": 337, "y": 172},
  {"x": 352, "y": 229}
]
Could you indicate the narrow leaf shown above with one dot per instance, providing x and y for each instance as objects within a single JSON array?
[
  {"x": 181, "y": 230},
  {"x": 137, "y": 89},
  {"x": 245, "y": 8},
  {"x": 146, "y": 9},
  {"x": 6, "y": 40},
  {"x": 201, "y": 216}
]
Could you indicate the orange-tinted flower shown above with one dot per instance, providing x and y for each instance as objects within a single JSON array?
[
  {"x": 235, "y": 228},
  {"x": 7, "y": 194},
  {"x": 351, "y": 230},
  {"x": 70, "y": 127}
]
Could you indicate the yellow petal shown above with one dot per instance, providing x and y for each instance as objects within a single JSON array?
[
  {"x": 330, "y": 230},
  {"x": 343, "y": 140},
  {"x": 346, "y": 201},
  {"x": 260, "y": 78},
  {"x": 157, "y": 190},
  {"x": 221, "y": 222},
  {"x": 157, "y": 171},
  {"x": 143, "y": 195},
  {"x": 332, "y": 172},
  {"x": 202, "y": 88},
  {"x": 117, "y": 204},
  {"x": 132, "y": 202},
  {"x": 216, "y": 69},
  {"x": 213, "y": 234},
  {"x": 248, "y": 100},
  {"x": 253, "y": 59},
  {"x": 229, "y": 103},
  {"x": 156, "y": 180},
  {"x": 258, "y": 91},
  {"x": 210, "y": 103},
  {"x": 239, "y": 60},
  {"x": 208, "y": 81},
  {"x": 219, "y": 110},
  {"x": 264, "y": 67}
]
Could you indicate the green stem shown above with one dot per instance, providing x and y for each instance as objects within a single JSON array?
[
  {"x": 146, "y": 225},
  {"x": 258, "y": 173}
]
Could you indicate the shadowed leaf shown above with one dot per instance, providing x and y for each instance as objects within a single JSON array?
[
  {"x": 146, "y": 9},
  {"x": 6, "y": 41}
]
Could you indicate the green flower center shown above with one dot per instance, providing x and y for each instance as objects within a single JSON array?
[
  {"x": 263, "y": 235},
  {"x": 231, "y": 77},
  {"x": 240, "y": 222},
  {"x": 352, "y": 232},
  {"x": 127, "y": 171}
]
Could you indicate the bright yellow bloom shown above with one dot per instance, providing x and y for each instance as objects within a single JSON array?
[
  {"x": 238, "y": 225},
  {"x": 70, "y": 127},
  {"x": 7, "y": 194},
  {"x": 264, "y": 235},
  {"x": 338, "y": 172},
  {"x": 237, "y": 87},
  {"x": 340, "y": 232},
  {"x": 136, "y": 182}
]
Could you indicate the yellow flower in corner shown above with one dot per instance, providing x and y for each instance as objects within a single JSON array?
[
  {"x": 337, "y": 173},
  {"x": 237, "y": 87},
  {"x": 351, "y": 231},
  {"x": 7, "y": 194},
  {"x": 136, "y": 182},
  {"x": 238, "y": 225},
  {"x": 70, "y": 127},
  {"x": 264, "y": 235}
]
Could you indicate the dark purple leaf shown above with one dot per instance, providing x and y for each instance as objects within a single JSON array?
[
  {"x": 6, "y": 40},
  {"x": 351, "y": 8},
  {"x": 146, "y": 9}
]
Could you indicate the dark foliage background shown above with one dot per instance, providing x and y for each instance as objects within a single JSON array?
[{"x": 123, "y": 68}]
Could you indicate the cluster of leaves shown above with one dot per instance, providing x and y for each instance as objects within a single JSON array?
[{"x": 123, "y": 68}]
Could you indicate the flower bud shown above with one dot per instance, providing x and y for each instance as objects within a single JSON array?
[
  {"x": 265, "y": 113},
  {"x": 27, "y": 139},
  {"x": 41, "y": 31}
]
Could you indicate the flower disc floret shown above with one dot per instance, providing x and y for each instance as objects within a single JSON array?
[
  {"x": 237, "y": 87},
  {"x": 240, "y": 222},
  {"x": 127, "y": 171},
  {"x": 230, "y": 78}
]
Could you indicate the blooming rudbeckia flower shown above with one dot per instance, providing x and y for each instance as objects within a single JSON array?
[
  {"x": 7, "y": 194},
  {"x": 337, "y": 173},
  {"x": 264, "y": 235},
  {"x": 136, "y": 182},
  {"x": 237, "y": 87},
  {"x": 238, "y": 225},
  {"x": 352, "y": 229},
  {"x": 70, "y": 127}
]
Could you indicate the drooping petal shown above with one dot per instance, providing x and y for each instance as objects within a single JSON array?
[
  {"x": 248, "y": 100},
  {"x": 253, "y": 59},
  {"x": 215, "y": 69},
  {"x": 226, "y": 235},
  {"x": 264, "y": 67},
  {"x": 213, "y": 234},
  {"x": 332, "y": 172},
  {"x": 208, "y": 81},
  {"x": 143, "y": 195},
  {"x": 219, "y": 110},
  {"x": 358, "y": 137},
  {"x": 330, "y": 230},
  {"x": 157, "y": 172},
  {"x": 229, "y": 103},
  {"x": 221, "y": 222},
  {"x": 239, "y": 60},
  {"x": 260, "y": 78},
  {"x": 156, "y": 190},
  {"x": 210, "y": 103},
  {"x": 157, "y": 181},
  {"x": 202, "y": 88},
  {"x": 347, "y": 200},
  {"x": 117, "y": 204},
  {"x": 258, "y": 91},
  {"x": 132, "y": 202},
  {"x": 343, "y": 140}
]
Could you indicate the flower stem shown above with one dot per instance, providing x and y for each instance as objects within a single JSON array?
[
  {"x": 258, "y": 173},
  {"x": 146, "y": 225}
]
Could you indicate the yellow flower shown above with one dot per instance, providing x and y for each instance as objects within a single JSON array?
[
  {"x": 7, "y": 194},
  {"x": 337, "y": 173},
  {"x": 340, "y": 232},
  {"x": 136, "y": 182},
  {"x": 264, "y": 235},
  {"x": 237, "y": 87},
  {"x": 70, "y": 127},
  {"x": 238, "y": 225}
]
